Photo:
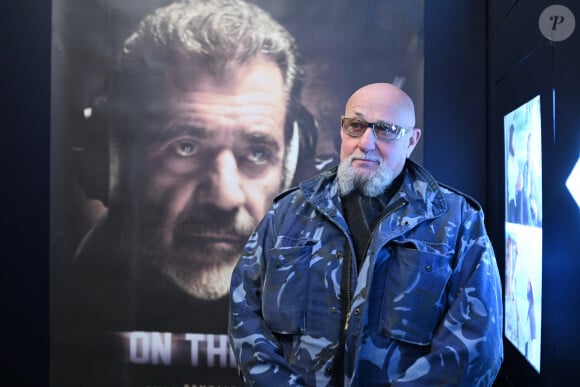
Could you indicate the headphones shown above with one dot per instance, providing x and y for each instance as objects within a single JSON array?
[{"x": 98, "y": 157}]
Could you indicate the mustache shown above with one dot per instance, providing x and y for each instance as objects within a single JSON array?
[
  {"x": 370, "y": 156},
  {"x": 209, "y": 220}
]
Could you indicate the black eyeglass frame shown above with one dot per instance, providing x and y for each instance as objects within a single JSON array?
[{"x": 377, "y": 128}]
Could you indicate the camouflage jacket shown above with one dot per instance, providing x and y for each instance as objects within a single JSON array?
[{"x": 424, "y": 309}]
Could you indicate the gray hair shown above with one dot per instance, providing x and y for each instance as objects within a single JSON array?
[{"x": 216, "y": 35}]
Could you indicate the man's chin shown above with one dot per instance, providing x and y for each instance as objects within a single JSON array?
[
  {"x": 204, "y": 272},
  {"x": 205, "y": 283},
  {"x": 365, "y": 168}
]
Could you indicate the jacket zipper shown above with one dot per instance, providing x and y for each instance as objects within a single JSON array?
[
  {"x": 338, "y": 368},
  {"x": 348, "y": 291},
  {"x": 388, "y": 212}
]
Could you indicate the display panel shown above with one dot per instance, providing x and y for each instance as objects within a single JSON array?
[{"x": 523, "y": 229}]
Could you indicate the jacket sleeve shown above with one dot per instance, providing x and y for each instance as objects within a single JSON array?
[
  {"x": 259, "y": 355},
  {"x": 467, "y": 347}
]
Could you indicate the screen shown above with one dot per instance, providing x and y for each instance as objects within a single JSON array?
[{"x": 523, "y": 230}]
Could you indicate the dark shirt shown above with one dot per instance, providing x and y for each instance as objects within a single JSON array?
[
  {"x": 110, "y": 294},
  {"x": 362, "y": 213}
]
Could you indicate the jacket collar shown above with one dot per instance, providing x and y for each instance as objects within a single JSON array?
[{"x": 419, "y": 189}]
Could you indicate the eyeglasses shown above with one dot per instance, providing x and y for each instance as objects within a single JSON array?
[{"x": 383, "y": 131}]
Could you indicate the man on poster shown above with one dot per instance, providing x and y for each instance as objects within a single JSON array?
[{"x": 203, "y": 128}]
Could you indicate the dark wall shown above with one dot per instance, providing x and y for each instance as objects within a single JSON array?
[
  {"x": 25, "y": 88},
  {"x": 454, "y": 133},
  {"x": 483, "y": 59},
  {"x": 522, "y": 63}
]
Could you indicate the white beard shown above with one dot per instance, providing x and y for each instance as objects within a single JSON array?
[{"x": 370, "y": 185}]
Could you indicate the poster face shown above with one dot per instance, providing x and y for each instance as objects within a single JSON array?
[
  {"x": 523, "y": 227},
  {"x": 166, "y": 153}
]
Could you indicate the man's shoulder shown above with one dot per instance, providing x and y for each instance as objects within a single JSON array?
[
  {"x": 308, "y": 188},
  {"x": 450, "y": 195},
  {"x": 286, "y": 193},
  {"x": 452, "y": 192}
]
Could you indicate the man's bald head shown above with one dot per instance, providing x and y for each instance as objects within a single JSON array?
[{"x": 385, "y": 98}]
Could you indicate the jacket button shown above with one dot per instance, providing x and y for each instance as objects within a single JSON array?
[
  {"x": 428, "y": 268},
  {"x": 333, "y": 309},
  {"x": 356, "y": 311},
  {"x": 328, "y": 371},
  {"x": 277, "y": 264}
]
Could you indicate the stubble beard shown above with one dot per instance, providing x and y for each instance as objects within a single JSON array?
[
  {"x": 200, "y": 267},
  {"x": 209, "y": 281},
  {"x": 369, "y": 184}
]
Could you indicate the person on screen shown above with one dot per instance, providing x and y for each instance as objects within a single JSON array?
[
  {"x": 531, "y": 317},
  {"x": 513, "y": 179},
  {"x": 529, "y": 189},
  {"x": 510, "y": 296},
  {"x": 370, "y": 273},
  {"x": 204, "y": 127}
]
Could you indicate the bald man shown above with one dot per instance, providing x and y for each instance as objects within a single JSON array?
[{"x": 371, "y": 273}]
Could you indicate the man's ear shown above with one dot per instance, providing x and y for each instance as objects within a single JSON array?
[{"x": 413, "y": 141}]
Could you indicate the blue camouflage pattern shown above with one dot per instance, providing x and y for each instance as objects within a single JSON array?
[{"x": 425, "y": 308}]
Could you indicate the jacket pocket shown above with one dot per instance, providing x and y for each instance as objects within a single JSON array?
[
  {"x": 286, "y": 289},
  {"x": 414, "y": 296}
]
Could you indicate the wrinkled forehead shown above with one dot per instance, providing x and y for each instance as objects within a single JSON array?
[
  {"x": 249, "y": 95},
  {"x": 227, "y": 73}
]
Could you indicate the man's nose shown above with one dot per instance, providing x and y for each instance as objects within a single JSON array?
[
  {"x": 368, "y": 140},
  {"x": 224, "y": 190}
]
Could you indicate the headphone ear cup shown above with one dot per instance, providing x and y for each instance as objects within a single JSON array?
[
  {"x": 92, "y": 154},
  {"x": 304, "y": 121}
]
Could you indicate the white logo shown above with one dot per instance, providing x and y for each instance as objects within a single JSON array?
[{"x": 557, "y": 23}]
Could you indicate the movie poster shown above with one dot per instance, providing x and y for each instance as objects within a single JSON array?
[{"x": 166, "y": 153}]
